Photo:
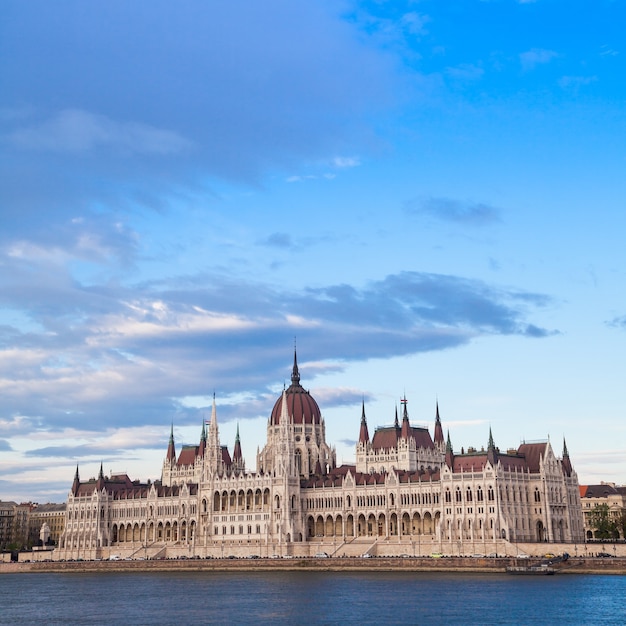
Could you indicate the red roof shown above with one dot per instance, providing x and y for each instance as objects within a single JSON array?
[
  {"x": 187, "y": 455},
  {"x": 386, "y": 438}
]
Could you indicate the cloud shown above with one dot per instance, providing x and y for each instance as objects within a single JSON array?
[
  {"x": 124, "y": 119},
  {"x": 446, "y": 209},
  {"x": 5, "y": 446},
  {"x": 536, "y": 56},
  {"x": 279, "y": 240},
  {"x": 618, "y": 322},
  {"x": 112, "y": 356},
  {"x": 345, "y": 162},
  {"x": 465, "y": 72},
  {"x": 76, "y": 131},
  {"x": 575, "y": 82}
]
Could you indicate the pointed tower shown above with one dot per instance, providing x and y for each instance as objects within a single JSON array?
[
  {"x": 364, "y": 436},
  {"x": 406, "y": 427},
  {"x": 396, "y": 423},
  {"x": 171, "y": 450},
  {"x": 100, "y": 481},
  {"x": 449, "y": 452},
  {"x": 213, "y": 443},
  {"x": 567, "y": 464},
  {"x": 295, "y": 374},
  {"x": 202, "y": 446},
  {"x": 492, "y": 452},
  {"x": 439, "y": 440},
  {"x": 237, "y": 456},
  {"x": 76, "y": 483}
]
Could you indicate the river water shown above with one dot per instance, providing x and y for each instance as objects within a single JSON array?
[{"x": 310, "y": 598}]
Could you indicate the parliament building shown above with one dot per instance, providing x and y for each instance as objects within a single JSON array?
[{"x": 409, "y": 493}]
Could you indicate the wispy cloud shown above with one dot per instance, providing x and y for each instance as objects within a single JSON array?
[
  {"x": 618, "y": 322},
  {"x": 536, "y": 56},
  {"x": 447, "y": 209},
  {"x": 465, "y": 72},
  {"x": 576, "y": 82},
  {"x": 122, "y": 356},
  {"x": 77, "y": 131}
]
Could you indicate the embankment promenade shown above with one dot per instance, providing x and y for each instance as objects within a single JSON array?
[{"x": 581, "y": 565}]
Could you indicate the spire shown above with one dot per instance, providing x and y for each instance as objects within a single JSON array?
[
  {"x": 438, "y": 429},
  {"x": 76, "y": 482},
  {"x": 100, "y": 481},
  {"x": 567, "y": 464},
  {"x": 171, "y": 451},
  {"x": 213, "y": 424},
  {"x": 295, "y": 374},
  {"x": 492, "y": 452},
  {"x": 237, "y": 449},
  {"x": 364, "y": 436},
  {"x": 406, "y": 428},
  {"x": 396, "y": 423},
  {"x": 449, "y": 452},
  {"x": 202, "y": 446}
]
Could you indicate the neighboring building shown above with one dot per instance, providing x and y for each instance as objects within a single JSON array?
[
  {"x": 51, "y": 514},
  {"x": 7, "y": 517},
  {"x": 14, "y": 524},
  {"x": 613, "y": 496},
  {"x": 408, "y": 492}
]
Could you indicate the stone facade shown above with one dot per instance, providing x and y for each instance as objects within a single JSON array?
[
  {"x": 614, "y": 498},
  {"x": 407, "y": 493}
]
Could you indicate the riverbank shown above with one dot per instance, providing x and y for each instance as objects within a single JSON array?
[{"x": 409, "y": 564}]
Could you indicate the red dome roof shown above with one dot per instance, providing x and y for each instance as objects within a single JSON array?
[{"x": 301, "y": 406}]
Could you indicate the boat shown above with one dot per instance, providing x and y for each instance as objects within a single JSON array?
[{"x": 537, "y": 570}]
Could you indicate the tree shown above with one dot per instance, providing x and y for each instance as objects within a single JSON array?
[
  {"x": 620, "y": 523},
  {"x": 599, "y": 520}
]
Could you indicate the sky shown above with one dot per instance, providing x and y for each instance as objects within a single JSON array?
[{"x": 427, "y": 198}]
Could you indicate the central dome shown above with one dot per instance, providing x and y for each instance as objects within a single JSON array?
[{"x": 301, "y": 406}]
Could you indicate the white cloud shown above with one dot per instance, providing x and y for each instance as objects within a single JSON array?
[
  {"x": 574, "y": 82},
  {"x": 536, "y": 56},
  {"x": 343, "y": 162}
]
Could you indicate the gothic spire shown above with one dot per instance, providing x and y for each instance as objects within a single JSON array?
[
  {"x": 202, "y": 446},
  {"x": 171, "y": 450},
  {"x": 76, "y": 483},
  {"x": 438, "y": 429},
  {"x": 567, "y": 464},
  {"x": 396, "y": 423},
  {"x": 295, "y": 374},
  {"x": 100, "y": 481},
  {"x": 237, "y": 456},
  {"x": 406, "y": 428},
  {"x": 364, "y": 436},
  {"x": 492, "y": 452},
  {"x": 449, "y": 452}
]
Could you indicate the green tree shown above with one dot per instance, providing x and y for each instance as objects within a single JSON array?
[
  {"x": 620, "y": 523},
  {"x": 601, "y": 523}
]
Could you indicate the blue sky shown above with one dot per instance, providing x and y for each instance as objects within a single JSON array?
[{"x": 428, "y": 196}]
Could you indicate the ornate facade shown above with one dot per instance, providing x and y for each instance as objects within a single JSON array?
[{"x": 407, "y": 493}]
